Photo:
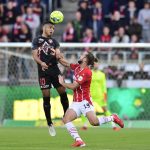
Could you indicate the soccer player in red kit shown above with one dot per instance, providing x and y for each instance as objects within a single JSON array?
[{"x": 82, "y": 101}]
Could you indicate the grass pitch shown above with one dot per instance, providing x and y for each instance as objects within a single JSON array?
[{"x": 95, "y": 139}]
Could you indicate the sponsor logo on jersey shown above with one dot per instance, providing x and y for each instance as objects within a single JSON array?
[
  {"x": 80, "y": 78},
  {"x": 47, "y": 49},
  {"x": 44, "y": 86},
  {"x": 41, "y": 40},
  {"x": 50, "y": 41}
]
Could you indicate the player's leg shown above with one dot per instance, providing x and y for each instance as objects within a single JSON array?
[
  {"x": 45, "y": 87},
  {"x": 47, "y": 105},
  {"x": 85, "y": 121},
  {"x": 71, "y": 114},
  {"x": 97, "y": 121},
  {"x": 88, "y": 110},
  {"x": 63, "y": 98},
  {"x": 47, "y": 110},
  {"x": 62, "y": 92},
  {"x": 108, "y": 113}
]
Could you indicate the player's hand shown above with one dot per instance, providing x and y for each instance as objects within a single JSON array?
[
  {"x": 61, "y": 79},
  {"x": 53, "y": 51},
  {"x": 44, "y": 66}
]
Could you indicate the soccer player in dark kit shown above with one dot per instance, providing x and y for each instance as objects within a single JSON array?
[{"x": 43, "y": 51}]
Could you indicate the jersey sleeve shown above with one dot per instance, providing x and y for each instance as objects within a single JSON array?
[
  {"x": 57, "y": 45},
  {"x": 74, "y": 66},
  {"x": 35, "y": 44},
  {"x": 85, "y": 76}
]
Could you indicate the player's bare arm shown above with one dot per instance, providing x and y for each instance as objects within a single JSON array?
[
  {"x": 60, "y": 57},
  {"x": 64, "y": 62},
  {"x": 37, "y": 59},
  {"x": 71, "y": 86}
]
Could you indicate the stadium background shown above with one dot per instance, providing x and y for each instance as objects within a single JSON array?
[{"x": 127, "y": 69}]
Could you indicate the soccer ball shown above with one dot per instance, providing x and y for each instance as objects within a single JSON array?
[{"x": 56, "y": 17}]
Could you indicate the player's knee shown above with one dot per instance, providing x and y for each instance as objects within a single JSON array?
[
  {"x": 65, "y": 120},
  {"x": 46, "y": 93},
  {"x": 61, "y": 90},
  {"x": 94, "y": 122},
  {"x": 46, "y": 101}
]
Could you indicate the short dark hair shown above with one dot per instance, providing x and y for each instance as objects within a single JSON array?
[
  {"x": 47, "y": 22},
  {"x": 91, "y": 59}
]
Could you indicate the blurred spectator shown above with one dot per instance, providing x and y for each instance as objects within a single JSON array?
[
  {"x": 86, "y": 15},
  {"x": 78, "y": 26},
  {"x": 69, "y": 34},
  {"x": 134, "y": 54},
  {"x": 17, "y": 27},
  {"x": 107, "y": 7},
  {"x": 135, "y": 28},
  {"x": 144, "y": 20},
  {"x": 9, "y": 14},
  {"x": 134, "y": 51},
  {"x": 121, "y": 37},
  {"x": 141, "y": 74},
  {"x": 6, "y": 33},
  {"x": 134, "y": 39},
  {"x": 139, "y": 4},
  {"x": 97, "y": 22},
  {"x": 3, "y": 37},
  {"x": 1, "y": 11},
  {"x": 89, "y": 36},
  {"x": 32, "y": 20},
  {"x": 116, "y": 22},
  {"x": 105, "y": 37},
  {"x": 37, "y": 8},
  {"x": 115, "y": 71},
  {"x": 131, "y": 12},
  {"x": 120, "y": 5},
  {"x": 24, "y": 34}
]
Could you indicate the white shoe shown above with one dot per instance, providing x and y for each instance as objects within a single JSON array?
[{"x": 52, "y": 131}]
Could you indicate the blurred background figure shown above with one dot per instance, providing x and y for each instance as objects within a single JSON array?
[{"x": 144, "y": 20}]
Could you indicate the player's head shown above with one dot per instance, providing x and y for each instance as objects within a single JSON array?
[
  {"x": 96, "y": 65},
  {"x": 48, "y": 29},
  {"x": 87, "y": 58}
]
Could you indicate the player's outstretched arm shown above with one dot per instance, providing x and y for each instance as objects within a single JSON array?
[
  {"x": 71, "y": 86},
  {"x": 37, "y": 59},
  {"x": 62, "y": 60},
  {"x": 60, "y": 57}
]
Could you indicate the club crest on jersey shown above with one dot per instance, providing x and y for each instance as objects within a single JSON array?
[
  {"x": 45, "y": 48},
  {"x": 50, "y": 41},
  {"x": 80, "y": 78},
  {"x": 41, "y": 40}
]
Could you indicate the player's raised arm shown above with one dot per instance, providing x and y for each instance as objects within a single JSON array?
[
  {"x": 71, "y": 86},
  {"x": 37, "y": 59},
  {"x": 61, "y": 58}
]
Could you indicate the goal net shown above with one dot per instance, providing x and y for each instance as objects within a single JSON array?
[{"x": 127, "y": 69}]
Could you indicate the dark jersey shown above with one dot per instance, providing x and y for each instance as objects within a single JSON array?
[{"x": 44, "y": 46}]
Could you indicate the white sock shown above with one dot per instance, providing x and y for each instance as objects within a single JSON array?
[
  {"x": 73, "y": 131},
  {"x": 113, "y": 124},
  {"x": 85, "y": 124},
  {"x": 104, "y": 119}
]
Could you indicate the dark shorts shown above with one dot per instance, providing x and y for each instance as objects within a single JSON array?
[{"x": 46, "y": 82}]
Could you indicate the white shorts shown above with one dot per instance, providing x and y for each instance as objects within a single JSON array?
[{"x": 81, "y": 107}]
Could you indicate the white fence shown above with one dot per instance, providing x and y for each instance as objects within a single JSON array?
[{"x": 23, "y": 68}]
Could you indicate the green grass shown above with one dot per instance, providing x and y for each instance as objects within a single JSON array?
[{"x": 95, "y": 139}]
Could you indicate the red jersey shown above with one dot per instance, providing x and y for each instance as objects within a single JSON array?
[{"x": 83, "y": 77}]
